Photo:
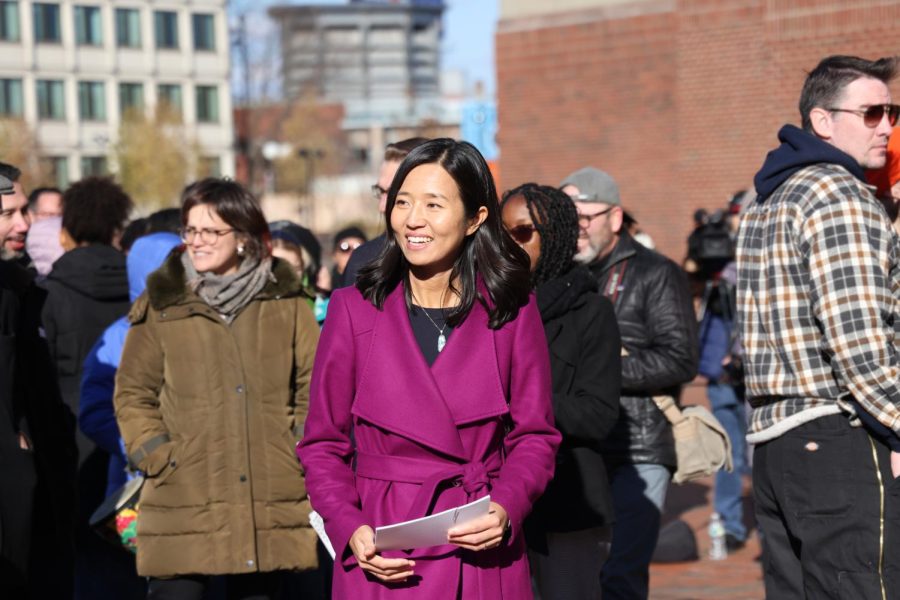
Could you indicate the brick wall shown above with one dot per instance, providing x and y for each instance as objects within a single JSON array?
[{"x": 679, "y": 100}]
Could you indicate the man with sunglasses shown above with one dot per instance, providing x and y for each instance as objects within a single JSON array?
[
  {"x": 659, "y": 354},
  {"x": 818, "y": 290}
]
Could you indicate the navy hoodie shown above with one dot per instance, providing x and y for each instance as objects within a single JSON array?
[{"x": 798, "y": 150}]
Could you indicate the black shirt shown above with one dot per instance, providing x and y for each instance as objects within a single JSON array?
[{"x": 427, "y": 331}]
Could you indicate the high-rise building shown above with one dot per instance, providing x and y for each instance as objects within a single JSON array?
[
  {"x": 381, "y": 60},
  {"x": 72, "y": 69}
]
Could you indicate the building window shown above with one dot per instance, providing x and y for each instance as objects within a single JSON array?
[
  {"x": 92, "y": 101},
  {"x": 58, "y": 170},
  {"x": 207, "y": 104},
  {"x": 88, "y": 26},
  {"x": 166, "y": 30},
  {"x": 11, "y": 98},
  {"x": 93, "y": 166},
  {"x": 46, "y": 23},
  {"x": 131, "y": 97},
  {"x": 169, "y": 94},
  {"x": 9, "y": 21},
  {"x": 204, "y": 32},
  {"x": 51, "y": 99},
  {"x": 128, "y": 28}
]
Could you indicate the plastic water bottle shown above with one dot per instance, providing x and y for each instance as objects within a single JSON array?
[{"x": 717, "y": 549}]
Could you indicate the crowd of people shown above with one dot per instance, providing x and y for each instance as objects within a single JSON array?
[{"x": 485, "y": 344}]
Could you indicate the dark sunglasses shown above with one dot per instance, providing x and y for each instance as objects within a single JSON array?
[
  {"x": 522, "y": 233},
  {"x": 873, "y": 115},
  {"x": 348, "y": 247}
]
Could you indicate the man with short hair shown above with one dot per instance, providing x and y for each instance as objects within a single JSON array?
[
  {"x": 14, "y": 217},
  {"x": 659, "y": 354},
  {"x": 818, "y": 291},
  {"x": 45, "y": 202},
  {"x": 37, "y": 449},
  {"x": 393, "y": 155}
]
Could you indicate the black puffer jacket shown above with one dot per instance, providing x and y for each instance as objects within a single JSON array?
[
  {"x": 586, "y": 372},
  {"x": 659, "y": 334}
]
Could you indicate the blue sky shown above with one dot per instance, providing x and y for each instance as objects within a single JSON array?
[{"x": 468, "y": 43}]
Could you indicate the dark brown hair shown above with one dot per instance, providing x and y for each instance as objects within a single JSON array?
[
  {"x": 825, "y": 84},
  {"x": 236, "y": 206},
  {"x": 397, "y": 151},
  {"x": 95, "y": 210},
  {"x": 489, "y": 254}
]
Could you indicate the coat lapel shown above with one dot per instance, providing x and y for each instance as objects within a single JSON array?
[
  {"x": 397, "y": 390},
  {"x": 467, "y": 372}
]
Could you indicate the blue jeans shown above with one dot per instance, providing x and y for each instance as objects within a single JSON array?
[
  {"x": 639, "y": 492},
  {"x": 728, "y": 408}
]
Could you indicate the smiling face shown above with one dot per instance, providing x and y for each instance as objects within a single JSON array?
[
  {"x": 14, "y": 221},
  {"x": 429, "y": 222},
  {"x": 520, "y": 225},
  {"x": 220, "y": 257}
]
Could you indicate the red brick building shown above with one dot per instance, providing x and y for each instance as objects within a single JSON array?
[{"x": 679, "y": 100}]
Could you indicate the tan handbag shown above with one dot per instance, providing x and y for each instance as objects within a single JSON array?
[{"x": 701, "y": 444}]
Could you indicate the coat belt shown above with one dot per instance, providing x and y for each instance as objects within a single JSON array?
[{"x": 473, "y": 477}]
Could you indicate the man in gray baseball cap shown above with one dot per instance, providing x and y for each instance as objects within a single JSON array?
[
  {"x": 596, "y": 197},
  {"x": 659, "y": 354}
]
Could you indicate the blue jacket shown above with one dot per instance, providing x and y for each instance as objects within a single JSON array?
[
  {"x": 715, "y": 344},
  {"x": 96, "y": 416}
]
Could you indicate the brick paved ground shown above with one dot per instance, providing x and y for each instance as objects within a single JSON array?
[{"x": 739, "y": 577}]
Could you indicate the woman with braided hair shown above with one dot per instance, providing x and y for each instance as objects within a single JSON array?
[{"x": 568, "y": 530}]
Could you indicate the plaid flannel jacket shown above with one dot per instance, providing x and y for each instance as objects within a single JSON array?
[{"x": 818, "y": 300}]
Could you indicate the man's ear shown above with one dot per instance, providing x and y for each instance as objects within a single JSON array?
[
  {"x": 616, "y": 219},
  {"x": 822, "y": 122}
]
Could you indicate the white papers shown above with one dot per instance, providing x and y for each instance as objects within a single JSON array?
[
  {"x": 318, "y": 525},
  {"x": 428, "y": 531}
]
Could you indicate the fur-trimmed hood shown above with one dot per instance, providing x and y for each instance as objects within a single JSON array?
[{"x": 167, "y": 285}]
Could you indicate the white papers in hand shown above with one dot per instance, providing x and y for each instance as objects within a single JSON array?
[
  {"x": 318, "y": 525},
  {"x": 428, "y": 531}
]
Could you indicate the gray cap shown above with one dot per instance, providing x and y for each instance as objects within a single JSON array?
[
  {"x": 6, "y": 186},
  {"x": 594, "y": 185}
]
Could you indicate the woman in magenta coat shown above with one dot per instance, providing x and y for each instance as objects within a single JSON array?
[{"x": 401, "y": 426}]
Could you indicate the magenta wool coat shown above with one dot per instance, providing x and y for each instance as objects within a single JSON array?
[{"x": 478, "y": 421}]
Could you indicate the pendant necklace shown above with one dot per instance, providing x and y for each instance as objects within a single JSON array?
[{"x": 442, "y": 339}]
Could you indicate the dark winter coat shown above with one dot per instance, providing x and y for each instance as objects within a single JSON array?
[
  {"x": 86, "y": 291},
  {"x": 659, "y": 334},
  {"x": 585, "y": 364},
  {"x": 39, "y": 480},
  {"x": 211, "y": 413}
]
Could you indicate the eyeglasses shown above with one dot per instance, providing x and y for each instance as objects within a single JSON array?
[
  {"x": 378, "y": 192},
  {"x": 348, "y": 247},
  {"x": 585, "y": 220},
  {"x": 873, "y": 115},
  {"x": 207, "y": 236},
  {"x": 522, "y": 233}
]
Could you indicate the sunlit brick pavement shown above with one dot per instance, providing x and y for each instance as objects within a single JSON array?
[{"x": 739, "y": 577}]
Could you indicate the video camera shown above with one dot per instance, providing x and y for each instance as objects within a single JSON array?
[
  {"x": 710, "y": 245},
  {"x": 6, "y": 186}
]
